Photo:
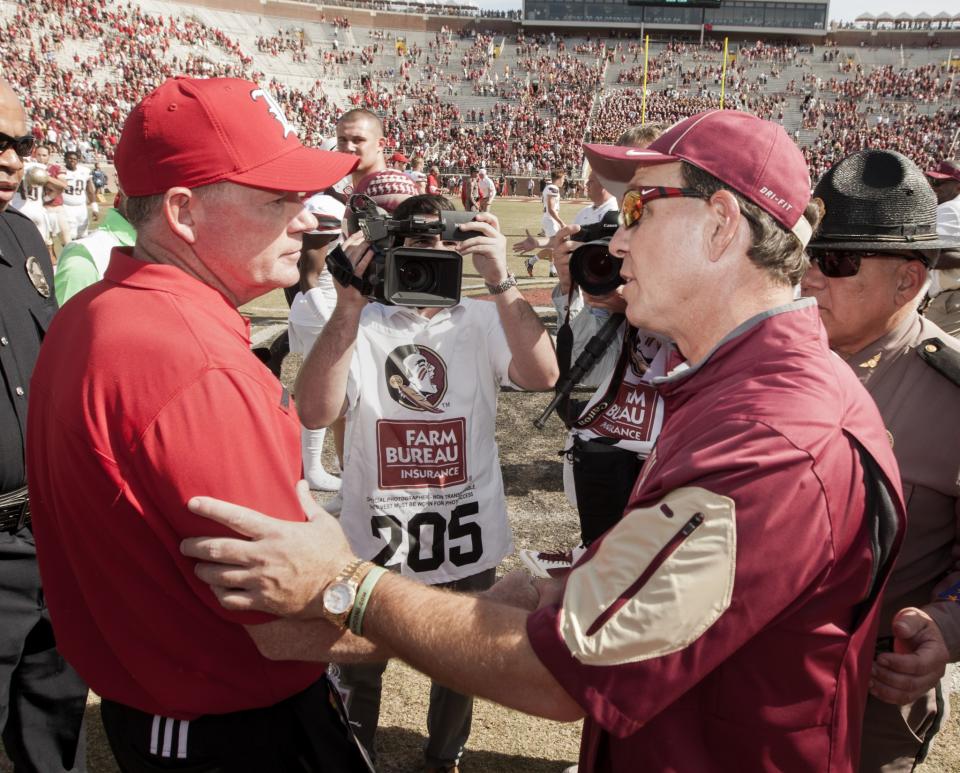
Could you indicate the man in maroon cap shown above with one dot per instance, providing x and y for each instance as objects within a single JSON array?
[
  {"x": 726, "y": 622},
  {"x": 944, "y": 291},
  {"x": 145, "y": 394},
  {"x": 945, "y": 180}
]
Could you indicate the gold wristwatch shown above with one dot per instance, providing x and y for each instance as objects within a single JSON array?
[{"x": 339, "y": 595}]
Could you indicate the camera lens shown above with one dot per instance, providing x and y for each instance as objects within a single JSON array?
[
  {"x": 595, "y": 269},
  {"x": 416, "y": 276}
]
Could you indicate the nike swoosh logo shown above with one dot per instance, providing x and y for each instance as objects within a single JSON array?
[
  {"x": 645, "y": 191},
  {"x": 640, "y": 152}
]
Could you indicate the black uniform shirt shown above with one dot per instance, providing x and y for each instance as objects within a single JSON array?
[{"x": 25, "y": 314}]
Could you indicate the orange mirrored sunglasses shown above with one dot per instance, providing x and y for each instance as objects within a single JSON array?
[{"x": 633, "y": 200}]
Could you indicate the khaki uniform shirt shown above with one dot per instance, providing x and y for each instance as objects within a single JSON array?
[{"x": 921, "y": 410}]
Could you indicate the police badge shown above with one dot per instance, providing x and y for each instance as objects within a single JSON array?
[{"x": 37, "y": 277}]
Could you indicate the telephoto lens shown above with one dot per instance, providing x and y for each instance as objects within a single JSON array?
[
  {"x": 595, "y": 269},
  {"x": 591, "y": 265}
]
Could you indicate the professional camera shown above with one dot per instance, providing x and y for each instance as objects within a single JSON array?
[
  {"x": 591, "y": 265},
  {"x": 398, "y": 275}
]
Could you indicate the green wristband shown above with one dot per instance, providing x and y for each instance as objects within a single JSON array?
[{"x": 364, "y": 592}]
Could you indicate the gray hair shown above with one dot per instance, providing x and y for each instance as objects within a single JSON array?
[
  {"x": 142, "y": 209},
  {"x": 774, "y": 249}
]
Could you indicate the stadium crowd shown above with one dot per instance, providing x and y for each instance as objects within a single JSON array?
[{"x": 553, "y": 92}]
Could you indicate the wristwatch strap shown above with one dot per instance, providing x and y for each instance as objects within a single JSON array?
[
  {"x": 506, "y": 284},
  {"x": 345, "y": 575}
]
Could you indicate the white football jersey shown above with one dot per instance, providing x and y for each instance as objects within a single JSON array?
[
  {"x": 422, "y": 489},
  {"x": 32, "y": 192},
  {"x": 75, "y": 194},
  {"x": 551, "y": 191}
]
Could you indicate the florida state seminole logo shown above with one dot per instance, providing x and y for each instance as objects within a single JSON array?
[{"x": 416, "y": 377}]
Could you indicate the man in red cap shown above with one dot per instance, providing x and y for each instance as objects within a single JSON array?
[
  {"x": 726, "y": 622},
  {"x": 145, "y": 394}
]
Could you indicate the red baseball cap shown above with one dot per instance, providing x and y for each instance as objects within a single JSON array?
[
  {"x": 399, "y": 157},
  {"x": 946, "y": 170},
  {"x": 197, "y": 131},
  {"x": 756, "y": 158}
]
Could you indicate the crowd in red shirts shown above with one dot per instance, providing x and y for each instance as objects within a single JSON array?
[
  {"x": 550, "y": 94},
  {"x": 68, "y": 107}
]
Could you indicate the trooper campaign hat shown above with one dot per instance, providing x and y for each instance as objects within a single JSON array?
[{"x": 879, "y": 200}]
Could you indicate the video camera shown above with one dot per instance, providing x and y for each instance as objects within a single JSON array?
[
  {"x": 591, "y": 265},
  {"x": 398, "y": 275}
]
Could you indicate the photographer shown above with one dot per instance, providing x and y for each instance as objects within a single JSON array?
[
  {"x": 422, "y": 490},
  {"x": 613, "y": 432}
]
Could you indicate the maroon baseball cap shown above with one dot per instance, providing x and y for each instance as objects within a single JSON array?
[
  {"x": 756, "y": 158},
  {"x": 191, "y": 132},
  {"x": 946, "y": 170}
]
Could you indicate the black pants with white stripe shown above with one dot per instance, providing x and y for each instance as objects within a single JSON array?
[{"x": 306, "y": 733}]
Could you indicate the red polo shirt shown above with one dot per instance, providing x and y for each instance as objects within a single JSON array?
[
  {"x": 714, "y": 627},
  {"x": 146, "y": 394}
]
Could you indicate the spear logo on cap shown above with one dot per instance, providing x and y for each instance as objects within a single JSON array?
[{"x": 275, "y": 110}]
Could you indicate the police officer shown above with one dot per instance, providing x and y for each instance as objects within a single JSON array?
[
  {"x": 41, "y": 697},
  {"x": 870, "y": 268}
]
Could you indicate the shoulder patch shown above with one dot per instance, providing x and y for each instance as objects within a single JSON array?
[{"x": 941, "y": 358}]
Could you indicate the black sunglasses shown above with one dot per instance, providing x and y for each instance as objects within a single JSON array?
[
  {"x": 22, "y": 146},
  {"x": 838, "y": 264}
]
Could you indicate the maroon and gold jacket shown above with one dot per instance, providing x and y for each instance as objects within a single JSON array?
[{"x": 727, "y": 622}]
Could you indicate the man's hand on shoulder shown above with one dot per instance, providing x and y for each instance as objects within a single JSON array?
[
  {"x": 274, "y": 566},
  {"x": 514, "y": 589},
  {"x": 917, "y": 663}
]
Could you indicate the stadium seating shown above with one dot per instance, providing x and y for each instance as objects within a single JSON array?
[{"x": 516, "y": 104}]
